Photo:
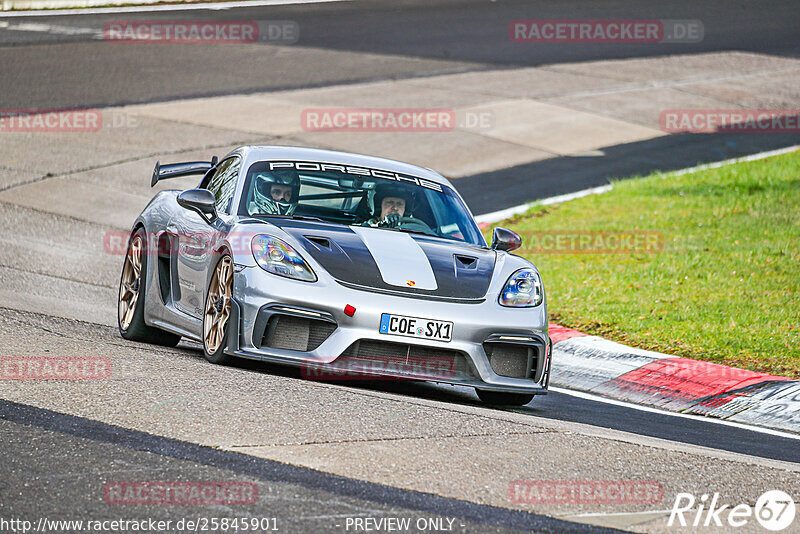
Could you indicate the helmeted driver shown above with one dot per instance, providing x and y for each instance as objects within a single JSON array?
[
  {"x": 390, "y": 204},
  {"x": 276, "y": 192}
]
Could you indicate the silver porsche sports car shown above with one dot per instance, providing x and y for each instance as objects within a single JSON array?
[{"x": 342, "y": 264}]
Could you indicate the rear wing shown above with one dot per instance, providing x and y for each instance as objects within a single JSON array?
[{"x": 174, "y": 170}]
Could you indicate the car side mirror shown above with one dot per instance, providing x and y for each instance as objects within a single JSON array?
[
  {"x": 200, "y": 200},
  {"x": 505, "y": 239}
]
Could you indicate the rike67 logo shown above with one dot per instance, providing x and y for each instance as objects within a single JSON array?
[{"x": 774, "y": 510}]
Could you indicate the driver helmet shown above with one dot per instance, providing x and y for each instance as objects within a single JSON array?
[
  {"x": 262, "y": 191},
  {"x": 392, "y": 190}
]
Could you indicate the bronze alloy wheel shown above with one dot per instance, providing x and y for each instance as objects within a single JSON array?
[
  {"x": 131, "y": 283},
  {"x": 218, "y": 305}
]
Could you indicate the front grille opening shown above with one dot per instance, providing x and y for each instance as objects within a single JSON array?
[
  {"x": 510, "y": 360},
  {"x": 401, "y": 359},
  {"x": 296, "y": 333}
]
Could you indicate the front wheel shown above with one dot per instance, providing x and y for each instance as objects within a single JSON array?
[
  {"x": 218, "y": 311},
  {"x": 496, "y": 398}
]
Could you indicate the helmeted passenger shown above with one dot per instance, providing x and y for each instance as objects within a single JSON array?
[{"x": 276, "y": 192}]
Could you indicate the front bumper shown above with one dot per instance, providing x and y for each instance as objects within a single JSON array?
[{"x": 259, "y": 295}]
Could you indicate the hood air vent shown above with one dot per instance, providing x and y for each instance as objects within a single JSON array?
[{"x": 322, "y": 242}]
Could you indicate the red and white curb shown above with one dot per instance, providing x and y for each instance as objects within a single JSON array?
[
  {"x": 603, "y": 367},
  {"x": 691, "y": 387}
]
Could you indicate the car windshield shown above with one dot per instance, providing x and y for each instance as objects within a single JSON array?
[{"x": 357, "y": 196}]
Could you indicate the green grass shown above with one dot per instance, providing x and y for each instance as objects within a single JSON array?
[{"x": 725, "y": 286}]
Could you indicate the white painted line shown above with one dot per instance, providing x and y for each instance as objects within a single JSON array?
[
  {"x": 522, "y": 208},
  {"x": 500, "y": 215},
  {"x": 718, "y": 164},
  {"x": 212, "y": 6},
  {"x": 54, "y": 29},
  {"x": 650, "y": 85},
  {"x": 700, "y": 418},
  {"x": 352, "y": 514},
  {"x": 611, "y": 514}
]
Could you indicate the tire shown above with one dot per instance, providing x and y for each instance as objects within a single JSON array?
[
  {"x": 130, "y": 301},
  {"x": 217, "y": 312},
  {"x": 496, "y": 398}
]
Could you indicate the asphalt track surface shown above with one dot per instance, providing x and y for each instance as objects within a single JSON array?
[
  {"x": 56, "y": 464},
  {"x": 417, "y": 38},
  {"x": 376, "y": 40},
  {"x": 77, "y": 456},
  {"x": 66, "y": 454}
]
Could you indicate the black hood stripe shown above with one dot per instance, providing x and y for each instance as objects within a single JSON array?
[{"x": 348, "y": 259}]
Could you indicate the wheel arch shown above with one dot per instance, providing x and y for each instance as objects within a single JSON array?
[{"x": 219, "y": 251}]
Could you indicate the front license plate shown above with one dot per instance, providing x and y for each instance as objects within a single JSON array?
[{"x": 402, "y": 325}]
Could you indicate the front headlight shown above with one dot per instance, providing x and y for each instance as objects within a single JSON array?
[
  {"x": 278, "y": 257},
  {"x": 523, "y": 289}
]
